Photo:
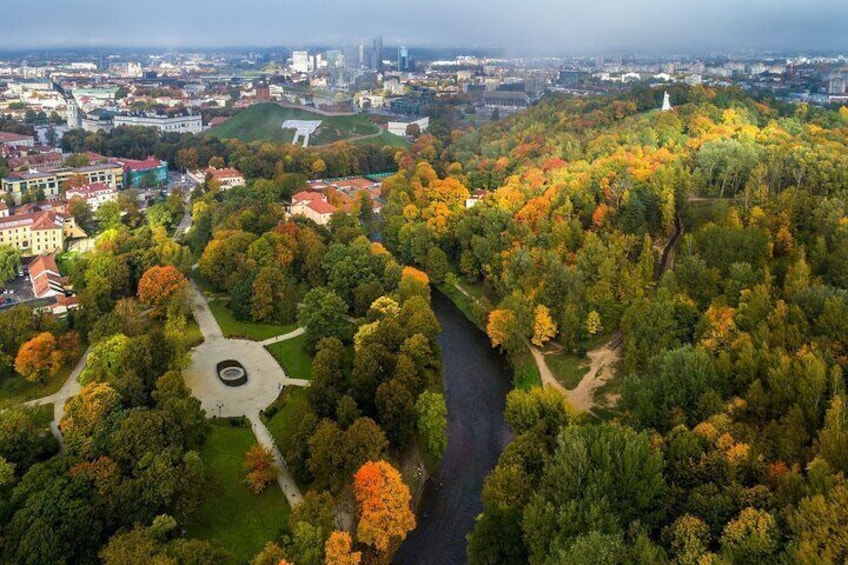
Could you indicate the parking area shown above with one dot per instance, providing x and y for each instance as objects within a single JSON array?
[{"x": 16, "y": 291}]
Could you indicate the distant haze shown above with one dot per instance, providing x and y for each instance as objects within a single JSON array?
[{"x": 541, "y": 26}]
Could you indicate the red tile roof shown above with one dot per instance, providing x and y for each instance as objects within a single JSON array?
[
  {"x": 6, "y": 137},
  {"x": 132, "y": 165},
  {"x": 306, "y": 195},
  {"x": 225, "y": 173},
  {"x": 41, "y": 265},
  {"x": 322, "y": 207}
]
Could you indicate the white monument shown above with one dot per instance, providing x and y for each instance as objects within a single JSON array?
[
  {"x": 302, "y": 128},
  {"x": 666, "y": 102}
]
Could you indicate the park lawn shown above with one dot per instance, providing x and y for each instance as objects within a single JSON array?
[
  {"x": 249, "y": 330},
  {"x": 569, "y": 370},
  {"x": 16, "y": 389},
  {"x": 290, "y": 408},
  {"x": 525, "y": 373},
  {"x": 291, "y": 356},
  {"x": 242, "y": 521}
]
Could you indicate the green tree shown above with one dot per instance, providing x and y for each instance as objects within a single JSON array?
[
  {"x": 10, "y": 262},
  {"x": 323, "y": 315},
  {"x": 599, "y": 478},
  {"x": 432, "y": 421}
]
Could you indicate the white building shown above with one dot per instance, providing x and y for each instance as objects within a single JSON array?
[
  {"x": 94, "y": 194},
  {"x": 300, "y": 61},
  {"x": 399, "y": 128},
  {"x": 177, "y": 124},
  {"x": 314, "y": 206}
]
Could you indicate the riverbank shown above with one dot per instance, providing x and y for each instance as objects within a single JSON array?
[{"x": 477, "y": 380}]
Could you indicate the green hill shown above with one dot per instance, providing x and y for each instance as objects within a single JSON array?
[{"x": 263, "y": 122}]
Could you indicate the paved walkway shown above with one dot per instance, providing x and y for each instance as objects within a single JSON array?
[
  {"x": 71, "y": 388},
  {"x": 291, "y": 335},
  {"x": 265, "y": 381}
]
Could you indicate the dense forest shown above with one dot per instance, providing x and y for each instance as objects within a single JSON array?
[
  {"x": 254, "y": 160},
  {"x": 712, "y": 239}
]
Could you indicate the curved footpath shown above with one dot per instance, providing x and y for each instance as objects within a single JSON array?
[
  {"x": 476, "y": 383},
  {"x": 265, "y": 381}
]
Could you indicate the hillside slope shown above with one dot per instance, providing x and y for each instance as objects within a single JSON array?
[{"x": 263, "y": 122}]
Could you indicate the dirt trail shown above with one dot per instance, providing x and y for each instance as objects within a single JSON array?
[{"x": 601, "y": 370}]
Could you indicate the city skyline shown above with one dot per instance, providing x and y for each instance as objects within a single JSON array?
[{"x": 536, "y": 26}]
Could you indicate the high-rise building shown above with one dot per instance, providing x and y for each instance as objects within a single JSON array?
[
  {"x": 377, "y": 54},
  {"x": 403, "y": 59},
  {"x": 300, "y": 61}
]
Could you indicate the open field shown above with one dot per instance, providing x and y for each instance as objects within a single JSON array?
[{"x": 242, "y": 521}]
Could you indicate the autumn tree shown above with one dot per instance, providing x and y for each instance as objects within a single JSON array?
[
  {"x": 159, "y": 286},
  {"x": 383, "y": 506},
  {"x": 260, "y": 467},
  {"x": 40, "y": 357},
  {"x": 339, "y": 551},
  {"x": 544, "y": 327},
  {"x": 90, "y": 418},
  {"x": 503, "y": 329}
]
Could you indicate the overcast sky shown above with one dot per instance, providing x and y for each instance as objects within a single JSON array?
[{"x": 552, "y": 26}]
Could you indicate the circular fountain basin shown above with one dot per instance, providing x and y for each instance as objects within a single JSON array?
[{"x": 232, "y": 373}]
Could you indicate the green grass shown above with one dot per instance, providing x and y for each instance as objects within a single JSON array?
[
  {"x": 242, "y": 521},
  {"x": 263, "y": 122},
  {"x": 16, "y": 389},
  {"x": 249, "y": 330},
  {"x": 525, "y": 373},
  {"x": 193, "y": 335},
  {"x": 287, "y": 411},
  {"x": 385, "y": 139},
  {"x": 569, "y": 370},
  {"x": 292, "y": 358}
]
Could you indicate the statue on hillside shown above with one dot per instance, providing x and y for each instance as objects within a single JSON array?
[{"x": 666, "y": 102}]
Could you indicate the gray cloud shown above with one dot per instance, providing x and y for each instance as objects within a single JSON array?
[{"x": 563, "y": 26}]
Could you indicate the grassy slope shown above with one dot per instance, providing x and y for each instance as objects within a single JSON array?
[
  {"x": 263, "y": 122},
  {"x": 242, "y": 521},
  {"x": 291, "y": 405},
  {"x": 16, "y": 389},
  {"x": 292, "y": 358},
  {"x": 250, "y": 330},
  {"x": 383, "y": 140},
  {"x": 568, "y": 369}
]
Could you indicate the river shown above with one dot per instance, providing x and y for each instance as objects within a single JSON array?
[{"x": 477, "y": 380}]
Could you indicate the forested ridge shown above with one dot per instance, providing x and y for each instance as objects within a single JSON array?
[{"x": 725, "y": 439}]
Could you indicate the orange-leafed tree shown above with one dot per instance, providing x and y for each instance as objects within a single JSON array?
[
  {"x": 338, "y": 550},
  {"x": 159, "y": 285},
  {"x": 413, "y": 283},
  {"x": 40, "y": 357},
  {"x": 383, "y": 503},
  {"x": 261, "y": 471}
]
